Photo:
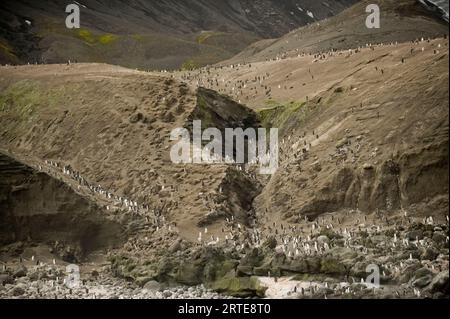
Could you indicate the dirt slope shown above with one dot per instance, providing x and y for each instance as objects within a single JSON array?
[
  {"x": 363, "y": 176},
  {"x": 112, "y": 125},
  {"x": 364, "y": 130},
  {"x": 401, "y": 21}
]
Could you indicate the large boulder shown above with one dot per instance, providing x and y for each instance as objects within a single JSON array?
[
  {"x": 242, "y": 287},
  {"x": 6, "y": 279},
  {"x": 17, "y": 291},
  {"x": 439, "y": 237},
  {"x": 422, "y": 281},
  {"x": 429, "y": 253},
  {"x": 190, "y": 274},
  {"x": 153, "y": 285},
  {"x": 20, "y": 271},
  {"x": 439, "y": 284}
]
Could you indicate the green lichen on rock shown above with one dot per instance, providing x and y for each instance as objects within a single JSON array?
[{"x": 242, "y": 287}]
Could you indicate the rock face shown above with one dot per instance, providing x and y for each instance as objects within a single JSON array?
[
  {"x": 237, "y": 190},
  {"x": 34, "y": 206},
  {"x": 219, "y": 111},
  {"x": 396, "y": 183}
]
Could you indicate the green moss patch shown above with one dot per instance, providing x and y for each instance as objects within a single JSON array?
[
  {"x": 91, "y": 38},
  {"x": 278, "y": 114},
  {"x": 242, "y": 287}
]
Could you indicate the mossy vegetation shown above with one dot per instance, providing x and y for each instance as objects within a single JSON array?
[
  {"x": 91, "y": 38},
  {"x": 211, "y": 267},
  {"x": 278, "y": 114},
  {"x": 20, "y": 99},
  {"x": 189, "y": 65},
  {"x": 21, "y": 102},
  {"x": 86, "y": 36},
  {"x": 205, "y": 113},
  {"x": 151, "y": 51},
  {"x": 107, "y": 38},
  {"x": 241, "y": 287}
]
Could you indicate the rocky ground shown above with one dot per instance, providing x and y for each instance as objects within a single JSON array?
[
  {"x": 412, "y": 259},
  {"x": 162, "y": 208},
  {"x": 47, "y": 282}
]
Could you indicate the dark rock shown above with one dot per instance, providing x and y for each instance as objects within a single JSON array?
[
  {"x": 253, "y": 258},
  {"x": 422, "y": 281},
  {"x": 244, "y": 270},
  {"x": 270, "y": 243},
  {"x": 429, "y": 254},
  {"x": 298, "y": 266},
  {"x": 263, "y": 270},
  {"x": 33, "y": 276},
  {"x": 169, "y": 117},
  {"x": 427, "y": 234},
  {"x": 439, "y": 283},
  {"x": 176, "y": 246},
  {"x": 422, "y": 272},
  {"x": 408, "y": 273},
  {"x": 332, "y": 266},
  {"x": 6, "y": 279},
  {"x": 21, "y": 271},
  {"x": 136, "y": 118},
  {"x": 17, "y": 291},
  {"x": 439, "y": 237},
  {"x": 153, "y": 286},
  {"x": 415, "y": 234}
]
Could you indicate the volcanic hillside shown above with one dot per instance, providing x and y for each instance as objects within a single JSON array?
[
  {"x": 366, "y": 152},
  {"x": 362, "y": 177},
  {"x": 400, "y": 21},
  {"x": 363, "y": 129},
  {"x": 112, "y": 125},
  {"x": 149, "y": 34}
]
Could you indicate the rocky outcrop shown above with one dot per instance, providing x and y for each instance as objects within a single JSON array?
[
  {"x": 219, "y": 111},
  {"x": 410, "y": 180},
  {"x": 209, "y": 266},
  {"x": 236, "y": 199}
]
